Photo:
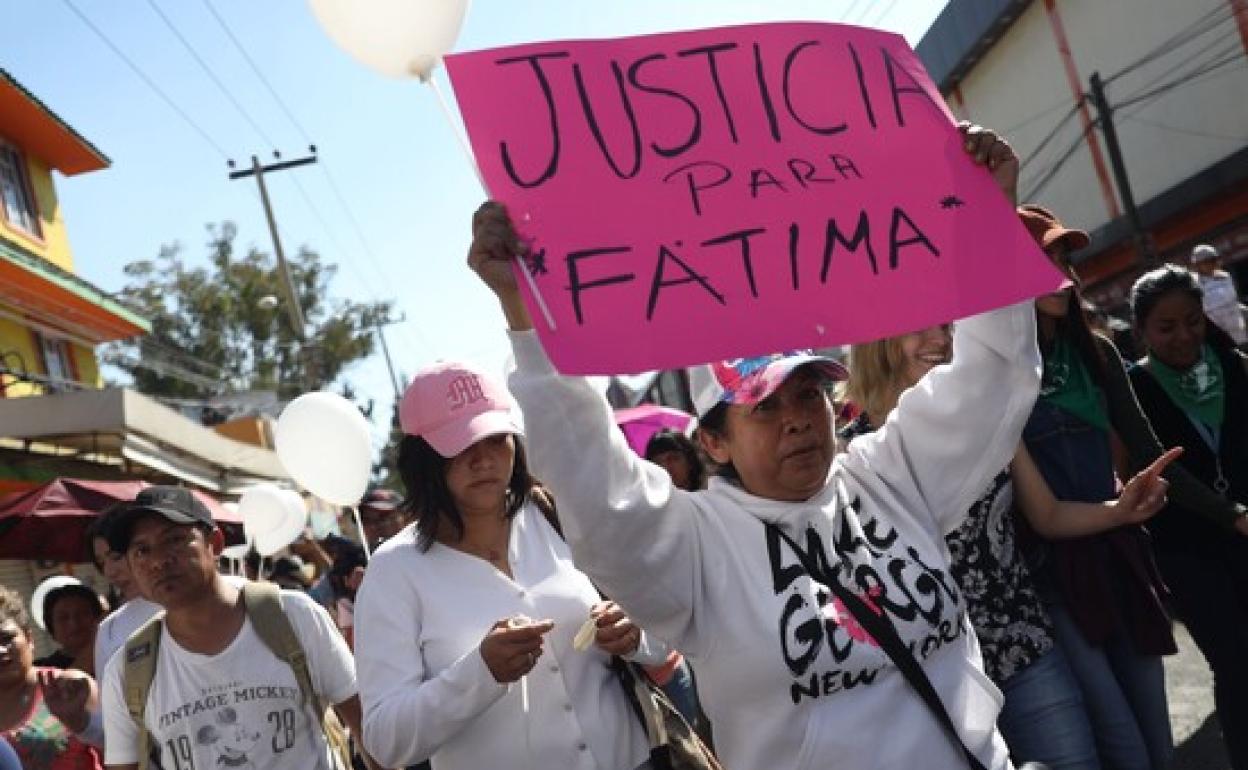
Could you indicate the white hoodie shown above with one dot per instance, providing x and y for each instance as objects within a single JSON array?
[{"x": 786, "y": 676}]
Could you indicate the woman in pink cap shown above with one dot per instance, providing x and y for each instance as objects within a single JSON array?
[
  {"x": 770, "y": 579},
  {"x": 466, "y": 621}
]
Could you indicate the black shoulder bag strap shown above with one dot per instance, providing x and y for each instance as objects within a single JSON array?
[{"x": 883, "y": 631}]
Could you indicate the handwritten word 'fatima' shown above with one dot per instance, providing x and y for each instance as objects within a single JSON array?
[{"x": 673, "y": 266}]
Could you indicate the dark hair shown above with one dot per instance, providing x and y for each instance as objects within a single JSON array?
[
  {"x": 1074, "y": 328},
  {"x": 98, "y": 529},
  {"x": 668, "y": 440},
  {"x": 12, "y": 608},
  {"x": 715, "y": 422},
  {"x": 1155, "y": 284},
  {"x": 423, "y": 472},
  {"x": 64, "y": 592}
]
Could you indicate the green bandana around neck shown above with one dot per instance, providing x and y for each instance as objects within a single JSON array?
[
  {"x": 1067, "y": 384},
  {"x": 1200, "y": 391}
]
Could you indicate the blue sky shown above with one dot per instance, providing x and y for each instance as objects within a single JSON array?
[{"x": 392, "y": 199}]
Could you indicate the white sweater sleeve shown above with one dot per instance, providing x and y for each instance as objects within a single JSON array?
[
  {"x": 629, "y": 528},
  {"x": 406, "y": 717},
  {"x": 960, "y": 425}
]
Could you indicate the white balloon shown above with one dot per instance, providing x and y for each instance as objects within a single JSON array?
[
  {"x": 325, "y": 445},
  {"x": 398, "y": 38},
  {"x": 263, "y": 510},
  {"x": 291, "y": 528},
  {"x": 273, "y": 518}
]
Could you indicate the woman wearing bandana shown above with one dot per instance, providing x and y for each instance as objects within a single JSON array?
[
  {"x": 1103, "y": 592},
  {"x": 1193, "y": 386}
]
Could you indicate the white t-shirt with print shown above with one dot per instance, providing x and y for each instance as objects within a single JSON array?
[{"x": 240, "y": 708}]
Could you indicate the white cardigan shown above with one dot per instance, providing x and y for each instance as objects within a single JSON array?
[
  {"x": 787, "y": 680},
  {"x": 426, "y": 691}
]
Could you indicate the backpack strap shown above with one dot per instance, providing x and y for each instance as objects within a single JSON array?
[
  {"x": 142, "y": 651},
  {"x": 264, "y": 610}
]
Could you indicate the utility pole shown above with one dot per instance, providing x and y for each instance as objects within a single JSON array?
[
  {"x": 1105, "y": 118},
  {"x": 385, "y": 349},
  {"x": 293, "y": 307}
]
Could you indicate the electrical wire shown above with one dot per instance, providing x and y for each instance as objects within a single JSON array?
[
  {"x": 332, "y": 182},
  {"x": 203, "y": 65},
  {"x": 150, "y": 83},
  {"x": 850, "y": 11},
  {"x": 147, "y": 80},
  {"x": 1209, "y": 21},
  {"x": 883, "y": 14}
]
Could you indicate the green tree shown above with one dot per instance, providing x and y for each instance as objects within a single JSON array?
[{"x": 215, "y": 331}]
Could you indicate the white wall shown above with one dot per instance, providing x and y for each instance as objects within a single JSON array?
[{"x": 1021, "y": 87}]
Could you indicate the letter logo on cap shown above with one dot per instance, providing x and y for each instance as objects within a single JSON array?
[{"x": 464, "y": 390}]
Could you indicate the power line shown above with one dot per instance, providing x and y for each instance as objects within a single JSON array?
[
  {"x": 277, "y": 99},
  {"x": 143, "y": 76},
  {"x": 1009, "y": 131},
  {"x": 1228, "y": 55},
  {"x": 1184, "y": 130},
  {"x": 883, "y": 15},
  {"x": 850, "y": 11},
  {"x": 332, "y": 183},
  {"x": 1057, "y": 165},
  {"x": 203, "y": 65},
  {"x": 1205, "y": 23},
  {"x": 1052, "y": 134}
]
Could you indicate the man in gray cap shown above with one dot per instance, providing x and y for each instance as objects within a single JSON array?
[{"x": 1221, "y": 297}]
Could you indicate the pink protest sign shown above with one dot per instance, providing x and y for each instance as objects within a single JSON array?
[{"x": 729, "y": 192}]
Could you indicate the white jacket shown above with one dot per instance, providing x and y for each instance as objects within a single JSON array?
[
  {"x": 419, "y": 619},
  {"x": 788, "y": 681}
]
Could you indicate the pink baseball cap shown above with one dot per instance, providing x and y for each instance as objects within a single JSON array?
[{"x": 453, "y": 406}]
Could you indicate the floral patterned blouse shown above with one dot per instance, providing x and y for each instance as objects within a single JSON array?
[
  {"x": 44, "y": 743},
  {"x": 1012, "y": 626}
]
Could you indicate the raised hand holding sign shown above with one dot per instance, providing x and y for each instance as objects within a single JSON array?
[{"x": 721, "y": 193}]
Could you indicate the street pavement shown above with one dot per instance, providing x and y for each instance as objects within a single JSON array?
[{"x": 1189, "y": 685}]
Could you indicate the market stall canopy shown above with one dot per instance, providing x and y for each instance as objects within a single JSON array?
[
  {"x": 50, "y": 521},
  {"x": 129, "y": 425}
]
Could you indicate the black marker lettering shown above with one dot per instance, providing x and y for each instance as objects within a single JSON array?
[
  {"x": 695, "y": 132},
  {"x": 761, "y": 177},
  {"x": 576, "y": 286},
  {"x": 788, "y": 95},
  {"x": 696, "y": 186},
  {"x": 535, "y": 60},
  {"x": 596, "y": 129},
  {"x": 710, "y": 52},
  {"x": 746, "y": 260},
  {"x": 893, "y": 67},
  {"x": 691, "y": 276},
  {"x": 895, "y": 245},
  {"x": 833, "y": 236},
  {"x": 760, "y": 74},
  {"x": 862, "y": 84}
]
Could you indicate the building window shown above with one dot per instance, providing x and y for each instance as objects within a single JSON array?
[
  {"x": 58, "y": 361},
  {"x": 19, "y": 201}
]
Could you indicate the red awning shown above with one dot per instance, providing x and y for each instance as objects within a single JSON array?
[{"x": 50, "y": 521}]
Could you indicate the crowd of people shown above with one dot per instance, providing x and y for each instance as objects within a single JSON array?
[{"x": 979, "y": 568}]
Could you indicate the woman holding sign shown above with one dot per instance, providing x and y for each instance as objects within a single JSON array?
[
  {"x": 1043, "y": 718},
  {"x": 810, "y": 591}
]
